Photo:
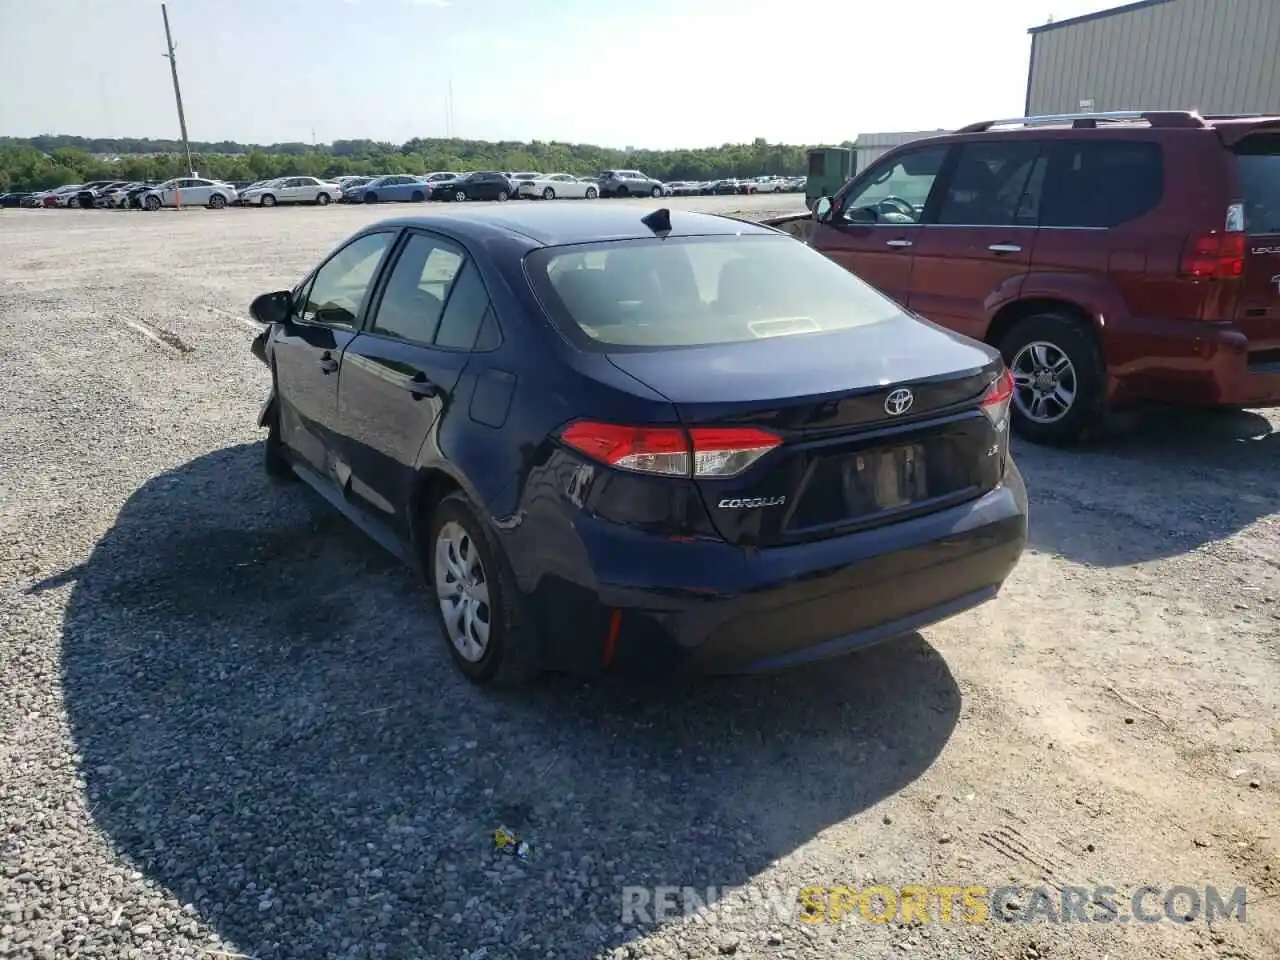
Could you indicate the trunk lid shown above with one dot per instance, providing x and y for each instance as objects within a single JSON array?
[
  {"x": 846, "y": 462},
  {"x": 1257, "y": 159}
]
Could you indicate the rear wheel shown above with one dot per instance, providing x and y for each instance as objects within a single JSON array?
[
  {"x": 475, "y": 597},
  {"x": 622, "y": 192},
  {"x": 502, "y": 196},
  {"x": 548, "y": 194},
  {"x": 1059, "y": 382},
  {"x": 592, "y": 193},
  {"x": 460, "y": 196}
]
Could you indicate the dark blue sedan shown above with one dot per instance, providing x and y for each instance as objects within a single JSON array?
[{"x": 644, "y": 444}]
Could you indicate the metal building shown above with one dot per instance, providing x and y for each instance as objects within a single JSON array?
[
  {"x": 870, "y": 147},
  {"x": 1215, "y": 56}
]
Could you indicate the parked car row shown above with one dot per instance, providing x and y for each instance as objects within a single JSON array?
[{"x": 389, "y": 188}]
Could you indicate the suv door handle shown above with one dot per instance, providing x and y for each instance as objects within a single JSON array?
[
  {"x": 1005, "y": 248},
  {"x": 327, "y": 363},
  {"x": 420, "y": 386},
  {"x": 898, "y": 243}
]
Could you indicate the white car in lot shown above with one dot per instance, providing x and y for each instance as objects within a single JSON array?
[
  {"x": 191, "y": 192},
  {"x": 291, "y": 190},
  {"x": 551, "y": 186}
]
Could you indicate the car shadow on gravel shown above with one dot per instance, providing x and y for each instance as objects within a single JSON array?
[
  {"x": 269, "y": 728},
  {"x": 1161, "y": 483}
]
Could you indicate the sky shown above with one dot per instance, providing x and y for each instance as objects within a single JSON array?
[{"x": 656, "y": 74}]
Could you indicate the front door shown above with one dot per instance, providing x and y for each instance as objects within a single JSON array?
[
  {"x": 972, "y": 256},
  {"x": 875, "y": 222},
  {"x": 308, "y": 349},
  {"x": 399, "y": 374}
]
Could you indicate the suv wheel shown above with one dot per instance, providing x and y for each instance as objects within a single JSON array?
[
  {"x": 622, "y": 192},
  {"x": 656, "y": 192},
  {"x": 1058, "y": 377},
  {"x": 475, "y": 598}
]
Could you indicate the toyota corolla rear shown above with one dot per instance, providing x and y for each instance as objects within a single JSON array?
[{"x": 780, "y": 465}]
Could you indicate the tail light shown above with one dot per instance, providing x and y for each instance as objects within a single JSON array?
[
  {"x": 702, "y": 452},
  {"x": 996, "y": 402},
  {"x": 1213, "y": 256}
]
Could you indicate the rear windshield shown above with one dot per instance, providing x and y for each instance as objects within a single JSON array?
[
  {"x": 1258, "y": 160},
  {"x": 698, "y": 291}
]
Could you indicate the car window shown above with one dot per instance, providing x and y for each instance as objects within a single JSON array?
[
  {"x": 341, "y": 285},
  {"x": 465, "y": 312},
  {"x": 896, "y": 191},
  {"x": 1101, "y": 183},
  {"x": 699, "y": 291},
  {"x": 417, "y": 289},
  {"x": 1258, "y": 165},
  {"x": 989, "y": 183}
]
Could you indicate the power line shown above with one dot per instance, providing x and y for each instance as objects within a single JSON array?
[{"x": 177, "y": 91}]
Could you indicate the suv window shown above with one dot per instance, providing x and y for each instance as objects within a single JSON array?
[
  {"x": 896, "y": 192},
  {"x": 1102, "y": 183},
  {"x": 465, "y": 311},
  {"x": 341, "y": 284},
  {"x": 1258, "y": 165},
  {"x": 989, "y": 185},
  {"x": 417, "y": 289}
]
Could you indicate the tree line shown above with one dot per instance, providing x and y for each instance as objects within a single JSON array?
[{"x": 44, "y": 162}]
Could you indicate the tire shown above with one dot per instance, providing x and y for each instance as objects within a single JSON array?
[
  {"x": 417, "y": 197},
  {"x": 656, "y": 192},
  {"x": 454, "y": 531},
  {"x": 592, "y": 193},
  {"x": 502, "y": 196},
  {"x": 322, "y": 200},
  {"x": 622, "y": 193},
  {"x": 548, "y": 194},
  {"x": 371, "y": 197},
  {"x": 217, "y": 202},
  {"x": 1041, "y": 342},
  {"x": 460, "y": 196},
  {"x": 268, "y": 200},
  {"x": 152, "y": 204},
  {"x": 274, "y": 460}
]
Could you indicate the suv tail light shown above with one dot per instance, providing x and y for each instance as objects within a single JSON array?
[
  {"x": 1213, "y": 256},
  {"x": 702, "y": 452},
  {"x": 999, "y": 395}
]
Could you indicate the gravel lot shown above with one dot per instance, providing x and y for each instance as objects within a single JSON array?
[{"x": 227, "y": 727}]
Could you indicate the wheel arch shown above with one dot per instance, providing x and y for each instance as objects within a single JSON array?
[{"x": 1014, "y": 312}]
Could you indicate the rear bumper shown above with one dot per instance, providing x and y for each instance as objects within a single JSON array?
[
  {"x": 658, "y": 608},
  {"x": 1189, "y": 363}
]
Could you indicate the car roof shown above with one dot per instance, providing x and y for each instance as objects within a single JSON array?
[{"x": 554, "y": 225}]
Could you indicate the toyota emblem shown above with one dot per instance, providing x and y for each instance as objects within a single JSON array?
[{"x": 898, "y": 402}]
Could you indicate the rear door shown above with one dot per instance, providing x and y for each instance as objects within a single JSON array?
[
  {"x": 974, "y": 255},
  {"x": 399, "y": 374},
  {"x": 875, "y": 223},
  {"x": 1258, "y": 309},
  {"x": 308, "y": 350}
]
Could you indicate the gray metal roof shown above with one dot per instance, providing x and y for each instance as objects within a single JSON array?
[{"x": 1101, "y": 14}]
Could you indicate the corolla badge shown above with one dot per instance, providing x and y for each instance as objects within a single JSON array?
[
  {"x": 739, "y": 503},
  {"x": 898, "y": 402}
]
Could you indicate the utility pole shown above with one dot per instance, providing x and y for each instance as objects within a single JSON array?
[{"x": 177, "y": 91}]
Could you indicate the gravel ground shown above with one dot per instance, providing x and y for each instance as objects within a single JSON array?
[{"x": 228, "y": 729}]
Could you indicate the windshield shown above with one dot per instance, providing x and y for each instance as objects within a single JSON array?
[
  {"x": 698, "y": 291},
  {"x": 1258, "y": 162}
]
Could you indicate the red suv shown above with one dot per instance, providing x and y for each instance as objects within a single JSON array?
[{"x": 1113, "y": 259}]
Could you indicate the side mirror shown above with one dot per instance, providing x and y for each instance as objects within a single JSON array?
[
  {"x": 272, "y": 307},
  {"x": 822, "y": 209}
]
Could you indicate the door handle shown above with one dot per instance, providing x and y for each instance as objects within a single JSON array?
[
  {"x": 327, "y": 363},
  {"x": 898, "y": 243},
  {"x": 1005, "y": 248},
  {"x": 420, "y": 386}
]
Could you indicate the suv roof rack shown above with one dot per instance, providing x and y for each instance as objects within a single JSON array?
[{"x": 1184, "y": 119}]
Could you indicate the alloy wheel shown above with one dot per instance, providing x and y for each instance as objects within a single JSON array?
[
  {"x": 1044, "y": 382},
  {"x": 462, "y": 590}
]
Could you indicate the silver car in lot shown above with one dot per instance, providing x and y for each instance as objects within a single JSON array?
[
  {"x": 291, "y": 190},
  {"x": 190, "y": 192}
]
